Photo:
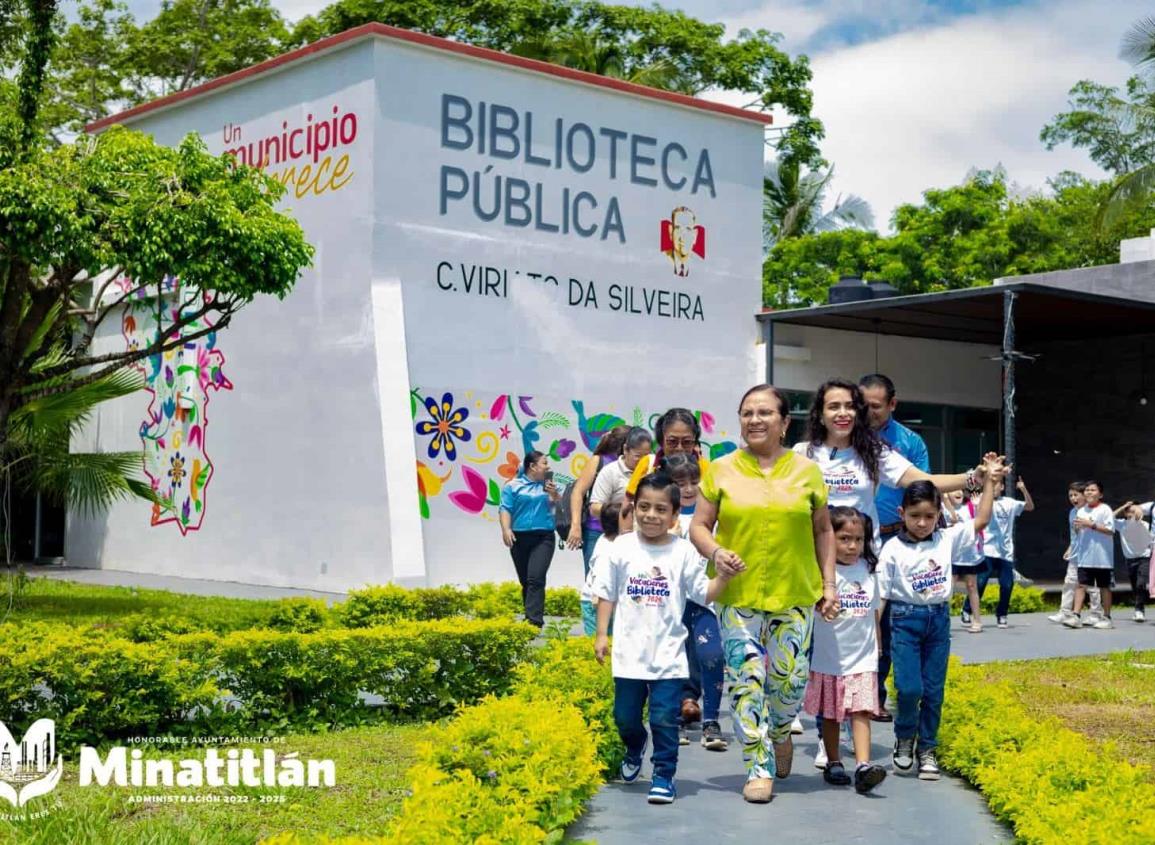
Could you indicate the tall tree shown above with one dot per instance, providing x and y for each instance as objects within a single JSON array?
[
  {"x": 680, "y": 53},
  {"x": 85, "y": 226},
  {"x": 793, "y": 200},
  {"x": 961, "y": 236},
  {"x": 1116, "y": 128}
]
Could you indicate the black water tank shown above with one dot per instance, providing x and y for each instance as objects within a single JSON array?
[
  {"x": 882, "y": 290},
  {"x": 848, "y": 289}
]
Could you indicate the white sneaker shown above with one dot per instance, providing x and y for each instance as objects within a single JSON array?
[
  {"x": 1057, "y": 617},
  {"x": 1091, "y": 619},
  {"x": 1139, "y": 617},
  {"x": 820, "y": 759},
  {"x": 1072, "y": 621},
  {"x": 796, "y": 726},
  {"x": 1103, "y": 624},
  {"x": 1022, "y": 580}
]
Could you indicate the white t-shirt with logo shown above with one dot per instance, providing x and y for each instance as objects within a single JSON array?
[
  {"x": 849, "y": 644},
  {"x": 1097, "y": 548},
  {"x": 999, "y": 536},
  {"x": 599, "y": 559},
  {"x": 651, "y": 585},
  {"x": 848, "y": 482},
  {"x": 920, "y": 573},
  {"x": 1135, "y": 534},
  {"x": 972, "y": 555}
]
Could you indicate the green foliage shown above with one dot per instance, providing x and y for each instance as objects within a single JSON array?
[
  {"x": 98, "y": 686},
  {"x": 379, "y": 605},
  {"x": 652, "y": 45},
  {"x": 1117, "y": 129},
  {"x": 480, "y": 781},
  {"x": 567, "y": 670},
  {"x": 1023, "y": 600},
  {"x": 1044, "y": 779},
  {"x": 792, "y": 200},
  {"x": 303, "y": 615},
  {"x": 959, "y": 237}
]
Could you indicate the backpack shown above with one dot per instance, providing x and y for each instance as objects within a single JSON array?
[{"x": 562, "y": 516}]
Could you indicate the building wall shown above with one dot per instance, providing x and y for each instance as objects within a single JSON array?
[
  {"x": 1079, "y": 417},
  {"x": 942, "y": 372},
  {"x": 1134, "y": 279}
]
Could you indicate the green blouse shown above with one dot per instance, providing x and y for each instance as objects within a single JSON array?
[{"x": 766, "y": 516}]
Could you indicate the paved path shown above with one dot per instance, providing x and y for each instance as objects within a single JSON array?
[
  {"x": 805, "y": 809},
  {"x": 191, "y": 586}
]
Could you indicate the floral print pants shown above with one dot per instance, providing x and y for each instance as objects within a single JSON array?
[{"x": 767, "y": 666}]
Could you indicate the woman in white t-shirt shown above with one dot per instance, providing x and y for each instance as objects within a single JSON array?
[
  {"x": 853, "y": 458},
  {"x": 843, "y": 669}
]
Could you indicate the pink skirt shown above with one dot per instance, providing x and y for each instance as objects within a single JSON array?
[{"x": 836, "y": 696}]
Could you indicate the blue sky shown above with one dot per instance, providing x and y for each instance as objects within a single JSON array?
[{"x": 914, "y": 93}]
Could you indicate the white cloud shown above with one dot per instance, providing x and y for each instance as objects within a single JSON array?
[{"x": 920, "y": 108}]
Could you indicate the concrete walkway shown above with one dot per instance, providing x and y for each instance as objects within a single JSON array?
[
  {"x": 190, "y": 586},
  {"x": 805, "y": 809}
]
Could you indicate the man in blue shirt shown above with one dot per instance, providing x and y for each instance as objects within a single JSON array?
[{"x": 878, "y": 390}]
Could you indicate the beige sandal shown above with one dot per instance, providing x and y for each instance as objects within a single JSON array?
[
  {"x": 784, "y": 757},
  {"x": 758, "y": 790}
]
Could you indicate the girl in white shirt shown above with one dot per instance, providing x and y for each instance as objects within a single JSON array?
[
  {"x": 843, "y": 669},
  {"x": 853, "y": 459},
  {"x": 961, "y": 508}
]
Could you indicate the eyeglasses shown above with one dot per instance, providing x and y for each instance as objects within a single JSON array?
[{"x": 674, "y": 442}]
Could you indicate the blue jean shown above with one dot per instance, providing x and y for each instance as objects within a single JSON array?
[
  {"x": 919, "y": 648},
  {"x": 1005, "y": 570},
  {"x": 589, "y": 609},
  {"x": 707, "y": 662},
  {"x": 665, "y": 697}
]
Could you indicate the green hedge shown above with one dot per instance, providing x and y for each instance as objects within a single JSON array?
[
  {"x": 384, "y": 604},
  {"x": 100, "y": 687},
  {"x": 1023, "y": 600},
  {"x": 513, "y": 770},
  {"x": 1047, "y": 781}
]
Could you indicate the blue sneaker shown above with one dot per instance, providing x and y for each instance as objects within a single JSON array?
[
  {"x": 662, "y": 790},
  {"x": 631, "y": 768}
]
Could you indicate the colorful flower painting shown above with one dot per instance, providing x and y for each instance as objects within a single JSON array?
[
  {"x": 173, "y": 432},
  {"x": 471, "y": 486}
]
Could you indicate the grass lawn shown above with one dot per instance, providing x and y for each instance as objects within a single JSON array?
[
  {"x": 50, "y": 600},
  {"x": 371, "y": 765},
  {"x": 1109, "y": 698}
]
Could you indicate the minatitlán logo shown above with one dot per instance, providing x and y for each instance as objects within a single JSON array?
[{"x": 31, "y": 767}]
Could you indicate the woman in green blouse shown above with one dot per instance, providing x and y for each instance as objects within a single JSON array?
[{"x": 764, "y": 506}]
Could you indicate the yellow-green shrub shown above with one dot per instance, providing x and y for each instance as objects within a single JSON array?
[
  {"x": 567, "y": 670},
  {"x": 420, "y": 670},
  {"x": 1023, "y": 600},
  {"x": 505, "y": 770},
  {"x": 97, "y": 686},
  {"x": 1049, "y": 782},
  {"x": 388, "y": 603}
]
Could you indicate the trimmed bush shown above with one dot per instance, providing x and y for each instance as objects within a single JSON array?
[
  {"x": 567, "y": 670},
  {"x": 1047, "y": 781},
  {"x": 481, "y": 781},
  {"x": 389, "y": 603},
  {"x": 98, "y": 687},
  {"x": 304, "y": 615},
  {"x": 1023, "y": 600}
]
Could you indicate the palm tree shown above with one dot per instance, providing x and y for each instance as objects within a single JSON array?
[
  {"x": 37, "y": 455},
  {"x": 1136, "y": 187},
  {"x": 792, "y": 204}
]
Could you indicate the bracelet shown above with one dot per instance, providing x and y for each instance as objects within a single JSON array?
[
  {"x": 829, "y": 584},
  {"x": 971, "y": 485},
  {"x": 714, "y": 555}
]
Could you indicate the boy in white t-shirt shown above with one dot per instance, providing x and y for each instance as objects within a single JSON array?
[
  {"x": 1095, "y": 554},
  {"x": 1135, "y": 541},
  {"x": 649, "y": 576},
  {"x": 999, "y": 548},
  {"x": 1071, "y": 556}
]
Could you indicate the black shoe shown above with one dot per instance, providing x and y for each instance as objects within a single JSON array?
[
  {"x": 966, "y": 616},
  {"x": 712, "y": 739},
  {"x": 883, "y": 715},
  {"x": 868, "y": 776},
  {"x": 835, "y": 774},
  {"x": 903, "y": 755}
]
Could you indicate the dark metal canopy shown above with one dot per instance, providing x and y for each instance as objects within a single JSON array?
[{"x": 975, "y": 315}]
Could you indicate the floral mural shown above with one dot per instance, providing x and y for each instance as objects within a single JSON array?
[
  {"x": 174, "y": 430},
  {"x": 469, "y": 445}
]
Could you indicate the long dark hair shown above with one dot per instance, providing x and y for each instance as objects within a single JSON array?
[
  {"x": 843, "y": 514},
  {"x": 613, "y": 442},
  {"x": 863, "y": 439}
]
